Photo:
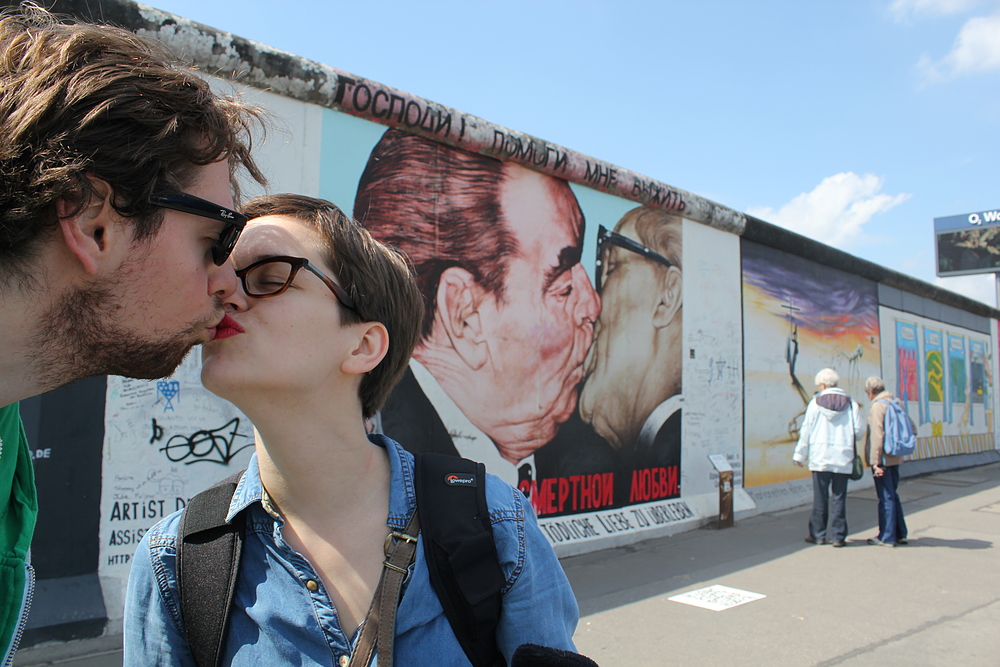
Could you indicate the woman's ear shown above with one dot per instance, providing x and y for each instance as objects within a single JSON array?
[{"x": 372, "y": 346}]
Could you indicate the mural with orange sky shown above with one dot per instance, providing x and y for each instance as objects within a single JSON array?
[{"x": 798, "y": 317}]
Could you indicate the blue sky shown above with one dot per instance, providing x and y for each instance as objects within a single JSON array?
[{"x": 854, "y": 122}]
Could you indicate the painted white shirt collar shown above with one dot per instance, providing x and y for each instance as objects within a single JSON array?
[
  {"x": 470, "y": 442},
  {"x": 657, "y": 418}
]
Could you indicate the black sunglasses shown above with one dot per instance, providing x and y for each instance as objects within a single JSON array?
[
  {"x": 234, "y": 221},
  {"x": 605, "y": 237},
  {"x": 272, "y": 276}
]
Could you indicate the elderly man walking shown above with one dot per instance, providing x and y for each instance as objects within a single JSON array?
[
  {"x": 826, "y": 441},
  {"x": 885, "y": 468}
]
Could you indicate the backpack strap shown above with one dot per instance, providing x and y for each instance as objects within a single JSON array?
[
  {"x": 461, "y": 555},
  {"x": 208, "y": 558}
]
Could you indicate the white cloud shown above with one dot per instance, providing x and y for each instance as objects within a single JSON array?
[
  {"x": 976, "y": 49},
  {"x": 836, "y": 210},
  {"x": 903, "y": 9},
  {"x": 981, "y": 288}
]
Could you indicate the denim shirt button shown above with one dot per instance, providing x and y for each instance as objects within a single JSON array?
[
  {"x": 344, "y": 660},
  {"x": 313, "y": 586}
]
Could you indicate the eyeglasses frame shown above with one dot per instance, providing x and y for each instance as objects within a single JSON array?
[
  {"x": 605, "y": 236},
  {"x": 234, "y": 220},
  {"x": 296, "y": 264}
]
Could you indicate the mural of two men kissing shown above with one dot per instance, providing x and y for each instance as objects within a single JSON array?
[{"x": 520, "y": 365}]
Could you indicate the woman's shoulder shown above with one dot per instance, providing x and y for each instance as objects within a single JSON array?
[
  {"x": 504, "y": 501},
  {"x": 161, "y": 537}
]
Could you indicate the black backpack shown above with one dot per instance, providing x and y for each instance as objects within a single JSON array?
[{"x": 458, "y": 546}]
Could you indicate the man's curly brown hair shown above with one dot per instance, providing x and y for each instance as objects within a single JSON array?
[{"x": 79, "y": 100}]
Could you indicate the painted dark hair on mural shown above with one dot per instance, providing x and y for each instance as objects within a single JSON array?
[
  {"x": 377, "y": 277},
  {"x": 441, "y": 207}
]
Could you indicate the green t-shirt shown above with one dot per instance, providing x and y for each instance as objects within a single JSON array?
[{"x": 18, "y": 510}]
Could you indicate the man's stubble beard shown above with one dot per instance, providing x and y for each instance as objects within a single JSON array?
[{"x": 82, "y": 336}]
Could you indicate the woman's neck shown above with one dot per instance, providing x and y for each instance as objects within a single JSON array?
[
  {"x": 316, "y": 461},
  {"x": 331, "y": 487}
]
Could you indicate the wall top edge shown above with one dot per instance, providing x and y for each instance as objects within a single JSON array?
[
  {"x": 246, "y": 62},
  {"x": 251, "y": 63},
  {"x": 779, "y": 238}
]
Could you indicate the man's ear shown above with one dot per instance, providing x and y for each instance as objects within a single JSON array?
[
  {"x": 371, "y": 348},
  {"x": 458, "y": 299},
  {"x": 671, "y": 295},
  {"x": 93, "y": 234}
]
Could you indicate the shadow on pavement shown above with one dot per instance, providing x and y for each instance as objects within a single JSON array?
[
  {"x": 614, "y": 577},
  {"x": 950, "y": 544}
]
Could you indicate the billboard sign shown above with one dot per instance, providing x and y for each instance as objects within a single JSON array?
[{"x": 968, "y": 243}]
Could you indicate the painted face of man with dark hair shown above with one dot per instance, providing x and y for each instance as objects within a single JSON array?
[
  {"x": 544, "y": 326},
  {"x": 523, "y": 350}
]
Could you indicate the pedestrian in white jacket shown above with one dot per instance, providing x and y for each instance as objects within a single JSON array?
[{"x": 832, "y": 424}]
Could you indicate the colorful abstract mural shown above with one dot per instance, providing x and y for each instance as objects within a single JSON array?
[
  {"x": 953, "y": 373},
  {"x": 934, "y": 368},
  {"x": 957, "y": 377},
  {"x": 907, "y": 356},
  {"x": 799, "y": 317},
  {"x": 978, "y": 372}
]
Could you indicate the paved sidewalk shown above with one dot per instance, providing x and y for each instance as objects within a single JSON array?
[{"x": 935, "y": 601}]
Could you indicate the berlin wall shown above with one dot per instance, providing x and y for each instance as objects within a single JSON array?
[{"x": 604, "y": 376}]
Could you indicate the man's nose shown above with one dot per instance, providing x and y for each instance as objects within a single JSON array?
[
  {"x": 224, "y": 285},
  {"x": 588, "y": 304}
]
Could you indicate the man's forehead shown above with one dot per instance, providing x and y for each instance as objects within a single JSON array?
[
  {"x": 537, "y": 205},
  {"x": 626, "y": 227}
]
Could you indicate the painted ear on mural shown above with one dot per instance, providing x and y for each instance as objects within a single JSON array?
[
  {"x": 669, "y": 303},
  {"x": 458, "y": 299}
]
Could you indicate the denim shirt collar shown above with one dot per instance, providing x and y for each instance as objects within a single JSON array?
[{"x": 402, "y": 494}]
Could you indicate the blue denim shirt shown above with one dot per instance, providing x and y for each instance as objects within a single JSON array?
[{"x": 277, "y": 620}]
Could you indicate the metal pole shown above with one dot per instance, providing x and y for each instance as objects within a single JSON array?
[{"x": 997, "y": 275}]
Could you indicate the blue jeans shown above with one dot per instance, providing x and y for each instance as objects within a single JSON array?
[
  {"x": 891, "y": 525},
  {"x": 826, "y": 504}
]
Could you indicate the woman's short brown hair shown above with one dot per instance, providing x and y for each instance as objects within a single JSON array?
[{"x": 377, "y": 277}]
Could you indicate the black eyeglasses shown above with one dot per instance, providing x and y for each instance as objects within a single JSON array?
[
  {"x": 234, "y": 221},
  {"x": 605, "y": 237},
  {"x": 272, "y": 276}
]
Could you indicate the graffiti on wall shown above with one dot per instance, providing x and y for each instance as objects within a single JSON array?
[
  {"x": 562, "y": 373},
  {"x": 907, "y": 364},
  {"x": 799, "y": 317},
  {"x": 952, "y": 405},
  {"x": 957, "y": 377},
  {"x": 156, "y": 459},
  {"x": 979, "y": 372},
  {"x": 933, "y": 367},
  {"x": 374, "y": 101}
]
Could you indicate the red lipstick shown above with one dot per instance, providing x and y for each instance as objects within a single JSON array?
[{"x": 226, "y": 328}]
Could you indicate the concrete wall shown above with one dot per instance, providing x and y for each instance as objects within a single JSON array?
[{"x": 612, "y": 401}]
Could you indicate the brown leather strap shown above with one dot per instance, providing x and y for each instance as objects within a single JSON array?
[{"x": 380, "y": 623}]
